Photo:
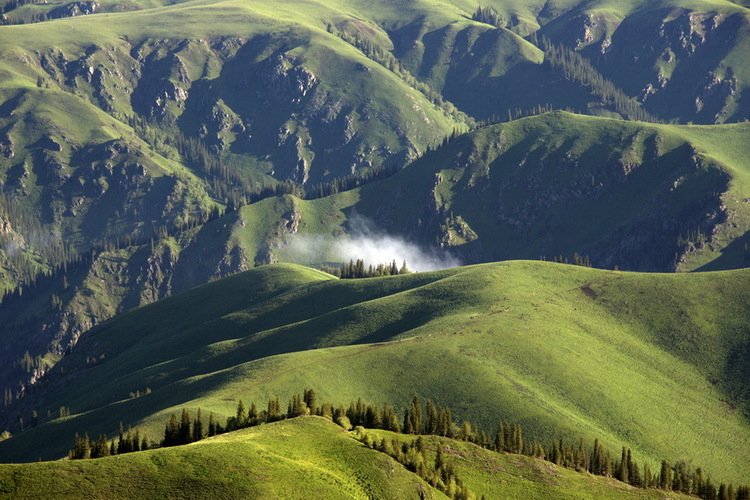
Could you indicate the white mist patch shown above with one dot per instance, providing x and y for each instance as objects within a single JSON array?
[{"x": 371, "y": 245}]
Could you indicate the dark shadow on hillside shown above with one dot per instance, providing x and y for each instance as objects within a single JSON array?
[{"x": 733, "y": 256}]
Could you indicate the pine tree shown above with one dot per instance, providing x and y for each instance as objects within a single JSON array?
[
  {"x": 252, "y": 415},
  {"x": 665, "y": 476},
  {"x": 198, "y": 427},
  {"x": 311, "y": 400},
  {"x": 648, "y": 481},
  {"x": 500, "y": 437},
  {"x": 517, "y": 439},
  {"x": 172, "y": 432},
  {"x": 408, "y": 426},
  {"x": 416, "y": 412},
  {"x": 211, "y": 425},
  {"x": 622, "y": 467},
  {"x": 122, "y": 445},
  {"x": 431, "y": 422},
  {"x": 239, "y": 418},
  {"x": 446, "y": 423},
  {"x": 439, "y": 458},
  {"x": 184, "y": 434},
  {"x": 390, "y": 419}
]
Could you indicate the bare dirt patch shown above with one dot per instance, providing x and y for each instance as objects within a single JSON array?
[{"x": 588, "y": 291}]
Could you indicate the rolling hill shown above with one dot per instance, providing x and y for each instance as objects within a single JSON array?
[
  {"x": 652, "y": 361},
  {"x": 656, "y": 198},
  {"x": 307, "y": 456}
]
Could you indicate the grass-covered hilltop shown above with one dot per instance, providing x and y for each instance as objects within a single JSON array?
[
  {"x": 208, "y": 205},
  {"x": 656, "y": 363}
]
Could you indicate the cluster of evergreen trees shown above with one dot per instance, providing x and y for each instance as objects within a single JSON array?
[
  {"x": 440, "y": 473},
  {"x": 230, "y": 185},
  {"x": 187, "y": 430},
  {"x": 10, "y": 5},
  {"x": 40, "y": 247},
  {"x": 428, "y": 419},
  {"x": 354, "y": 270},
  {"x": 83, "y": 447},
  {"x": 489, "y": 15},
  {"x": 578, "y": 260},
  {"x": 349, "y": 182},
  {"x": 383, "y": 57},
  {"x": 579, "y": 70}
]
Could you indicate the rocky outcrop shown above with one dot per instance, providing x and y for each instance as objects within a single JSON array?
[
  {"x": 283, "y": 80},
  {"x": 6, "y": 146},
  {"x": 673, "y": 61},
  {"x": 73, "y": 9}
]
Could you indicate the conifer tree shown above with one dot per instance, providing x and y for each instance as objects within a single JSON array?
[
  {"x": 121, "y": 440},
  {"x": 408, "y": 426},
  {"x": 198, "y": 427},
  {"x": 445, "y": 423},
  {"x": 172, "y": 432},
  {"x": 647, "y": 478},
  {"x": 311, "y": 400},
  {"x": 211, "y": 425},
  {"x": 135, "y": 440},
  {"x": 439, "y": 458},
  {"x": 390, "y": 419},
  {"x": 622, "y": 467},
  {"x": 500, "y": 437},
  {"x": 665, "y": 476},
  {"x": 431, "y": 418},
  {"x": 253, "y": 415},
  {"x": 184, "y": 434},
  {"x": 416, "y": 413},
  {"x": 240, "y": 415}
]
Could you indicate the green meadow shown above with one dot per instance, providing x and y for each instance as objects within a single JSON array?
[{"x": 652, "y": 361}]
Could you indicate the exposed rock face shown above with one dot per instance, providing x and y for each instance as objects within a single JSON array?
[
  {"x": 302, "y": 123},
  {"x": 283, "y": 82},
  {"x": 80, "y": 8},
  {"x": 672, "y": 59},
  {"x": 6, "y": 146},
  {"x": 165, "y": 81}
]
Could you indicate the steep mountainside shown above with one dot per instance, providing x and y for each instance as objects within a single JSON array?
[
  {"x": 657, "y": 197},
  {"x": 556, "y": 348}
]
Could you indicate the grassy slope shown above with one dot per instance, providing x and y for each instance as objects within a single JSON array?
[
  {"x": 627, "y": 358},
  {"x": 525, "y": 186},
  {"x": 501, "y": 475},
  {"x": 300, "y": 458},
  {"x": 35, "y": 114},
  {"x": 298, "y": 27},
  {"x": 304, "y": 457},
  {"x": 575, "y": 141}
]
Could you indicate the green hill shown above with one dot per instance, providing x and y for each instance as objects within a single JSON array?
[
  {"x": 651, "y": 361},
  {"x": 126, "y": 132},
  {"x": 657, "y": 197},
  {"x": 305, "y": 456},
  {"x": 632, "y": 195}
]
